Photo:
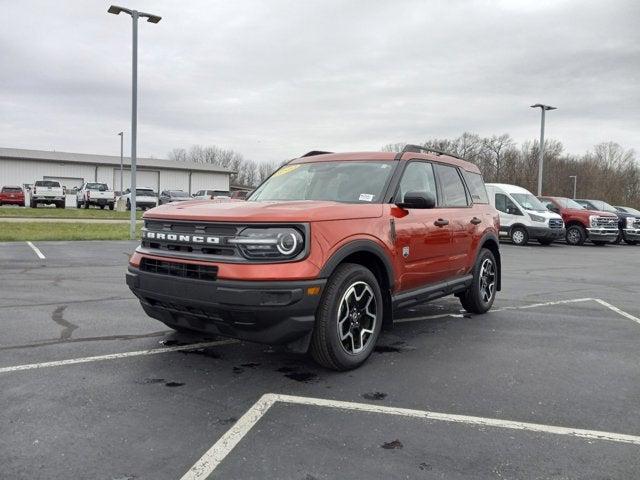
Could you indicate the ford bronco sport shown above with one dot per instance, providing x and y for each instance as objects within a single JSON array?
[{"x": 323, "y": 252}]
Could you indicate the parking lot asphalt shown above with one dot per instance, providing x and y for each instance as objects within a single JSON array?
[{"x": 545, "y": 386}]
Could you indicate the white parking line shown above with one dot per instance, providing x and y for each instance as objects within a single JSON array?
[
  {"x": 217, "y": 453},
  {"x": 618, "y": 311},
  {"x": 113, "y": 356},
  {"x": 37, "y": 250}
]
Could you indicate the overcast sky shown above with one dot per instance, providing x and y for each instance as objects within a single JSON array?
[{"x": 274, "y": 79}]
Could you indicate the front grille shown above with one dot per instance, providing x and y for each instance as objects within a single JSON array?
[
  {"x": 605, "y": 222},
  {"x": 636, "y": 223},
  {"x": 555, "y": 223},
  {"x": 184, "y": 270},
  {"x": 221, "y": 231}
]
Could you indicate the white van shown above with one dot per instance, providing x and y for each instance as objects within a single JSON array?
[{"x": 523, "y": 217}]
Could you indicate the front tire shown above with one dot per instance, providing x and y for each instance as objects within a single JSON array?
[
  {"x": 348, "y": 320},
  {"x": 482, "y": 292},
  {"x": 576, "y": 235},
  {"x": 519, "y": 236}
]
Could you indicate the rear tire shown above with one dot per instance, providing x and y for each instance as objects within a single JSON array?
[
  {"x": 576, "y": 235},
  {"x": 519, "y": 236},
  {"x": 33, "y": 204},
  {"x": 348, "y": 319},
  {"x": 111, "y": 206},
  {"x": 86, "y": 204},
  {"x": 482, "y": 292}
]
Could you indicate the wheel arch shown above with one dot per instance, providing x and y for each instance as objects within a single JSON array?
[{"x": 372, "y": 256}]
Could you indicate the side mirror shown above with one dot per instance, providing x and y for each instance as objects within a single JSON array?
[{"x": 417, "y": 200}]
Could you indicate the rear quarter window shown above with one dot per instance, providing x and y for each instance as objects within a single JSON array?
[{"x": 475, "y": 184}]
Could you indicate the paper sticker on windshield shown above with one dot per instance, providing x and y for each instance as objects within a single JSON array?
[
  {"x": 285, "y": 170},
  {"x": 365, "y": 197}
]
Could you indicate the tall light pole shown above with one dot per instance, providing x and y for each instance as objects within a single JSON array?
[
  {"x": 121, "y": 157},
  {"x": 575, "y": 184},
  {"x": 543, "y": 109},
  {"x": 134, "y": 101}
]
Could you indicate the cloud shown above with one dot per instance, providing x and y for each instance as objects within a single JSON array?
[{"x": 275, "y": 79}]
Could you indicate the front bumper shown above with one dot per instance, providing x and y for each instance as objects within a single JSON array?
[
  {"x": 546, "y": 233},
  {"x": 632, "y": 234},
  {"x": 258, "y": 311},
  {"x": 603, "y": 234}
]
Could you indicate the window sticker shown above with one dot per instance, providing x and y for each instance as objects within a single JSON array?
[
  {"x": 365, "y": 197},
  {"x": 285, "y": 170}
]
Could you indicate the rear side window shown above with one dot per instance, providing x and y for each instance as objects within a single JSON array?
[
  {"x": 47, "y": 183},
  {"x": 453, "y": 192},
  {"x": 476, "y": 187}
]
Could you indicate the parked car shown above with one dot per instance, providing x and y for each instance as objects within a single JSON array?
[
  {"x": 94, "y": 193},
  {"x": 48, "y": 192},
  {"x": 323, "y": 253},
  {"x": 11, "y": 195},
  {"x": 582, "y": 224},
  {"x": 628, "y": 223},
  {"x": 211, "y": 194},
  {"x": 145, "y": 198},
  {"x": 523, "y": 217},
  {"x": 168, "y": 196}
]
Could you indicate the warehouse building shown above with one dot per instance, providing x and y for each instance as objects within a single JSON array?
[{"x": 23, "y": 167}]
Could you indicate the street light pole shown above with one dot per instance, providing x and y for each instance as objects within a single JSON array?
[
  {"x": 134, "y": 101},
  {"x": 543, "y": 109},
  {"x": 575, "y": 184},
  {"x": 121, "y": 157}
]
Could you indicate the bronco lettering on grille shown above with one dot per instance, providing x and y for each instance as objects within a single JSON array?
[{"x": 172, "y": 237}]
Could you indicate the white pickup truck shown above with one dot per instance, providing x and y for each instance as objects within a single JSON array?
[
  {"x": 47, "y": 192},
  {"x": 94, "y": 193},
  {"x": 145, "y": 198}
]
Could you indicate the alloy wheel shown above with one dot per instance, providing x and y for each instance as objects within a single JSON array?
[
  {"x": 357, "y": 316},
  {"x": 487, "y": 280}
]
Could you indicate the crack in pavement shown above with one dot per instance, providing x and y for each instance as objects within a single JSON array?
[
  {"x": 56, "y": 341},
  {"x": 57, "y": 316},
  {"x": 89, "y": 300}
]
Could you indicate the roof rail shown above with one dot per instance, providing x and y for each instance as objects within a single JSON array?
[
  {"x": 417, "y": 149},
  {"x": 313, "y": 153}
]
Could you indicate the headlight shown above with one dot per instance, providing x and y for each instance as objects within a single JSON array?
[
  {"x": 592, "y": 219},
  {"x": 269, "y": 243},
  {"x": 630, "y": 221},
  {"x": 537, "y": 218}
]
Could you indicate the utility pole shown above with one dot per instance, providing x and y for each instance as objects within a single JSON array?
[
  {"x": 134, "y": 101},
  {"x": 543, "y": 109},
  {"x": 121, "y": 159},
  {"x": 575, "y": 184}
]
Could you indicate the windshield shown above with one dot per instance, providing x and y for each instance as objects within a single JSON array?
[
  {"x": 349, "y": 182},
  {"x": 102, "y": 187},
  {"x": 529, "y": 202},
  {"x": 630, "y": 210},
  {"x": 568, "y": 203},
  {"x": 603, "y": 206},
  {"x": 179, "y": 194}
]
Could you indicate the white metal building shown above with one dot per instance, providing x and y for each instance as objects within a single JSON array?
[{"x": 23, "y": 167}]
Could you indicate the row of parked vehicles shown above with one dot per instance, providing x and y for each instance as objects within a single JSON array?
[
  {"x": 525, "y": 217},
  {"x": 50, "y": 192}
]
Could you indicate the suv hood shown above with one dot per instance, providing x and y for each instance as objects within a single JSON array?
[
  {"x": 241, "y": 211},
  {"x": 584, "y": 211}
]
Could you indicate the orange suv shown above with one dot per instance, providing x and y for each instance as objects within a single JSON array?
[{"x": 323, "y": 253}]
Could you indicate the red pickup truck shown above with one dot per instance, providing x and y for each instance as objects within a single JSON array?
[
  {"x": 323, "y": 252},
  {"x": 12, "y": 195},
  {"x": 582, "y": 224}
]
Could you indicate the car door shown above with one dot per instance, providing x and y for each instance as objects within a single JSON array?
[
  {"x": 507, "y": 210},
  {"x": 455, "y": 207},
  {"x": 422, "y": 243}
]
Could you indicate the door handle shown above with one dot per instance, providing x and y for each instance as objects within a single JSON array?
[
  {"x": 441, "y": 222},
  {"x": 476, "y": 221}
]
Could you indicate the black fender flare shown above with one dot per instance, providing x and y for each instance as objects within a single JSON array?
[
  {"x": 518, "y": 225},
  {"x": 356, "y": 246},
  {"x": 492, "y": 236}
]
